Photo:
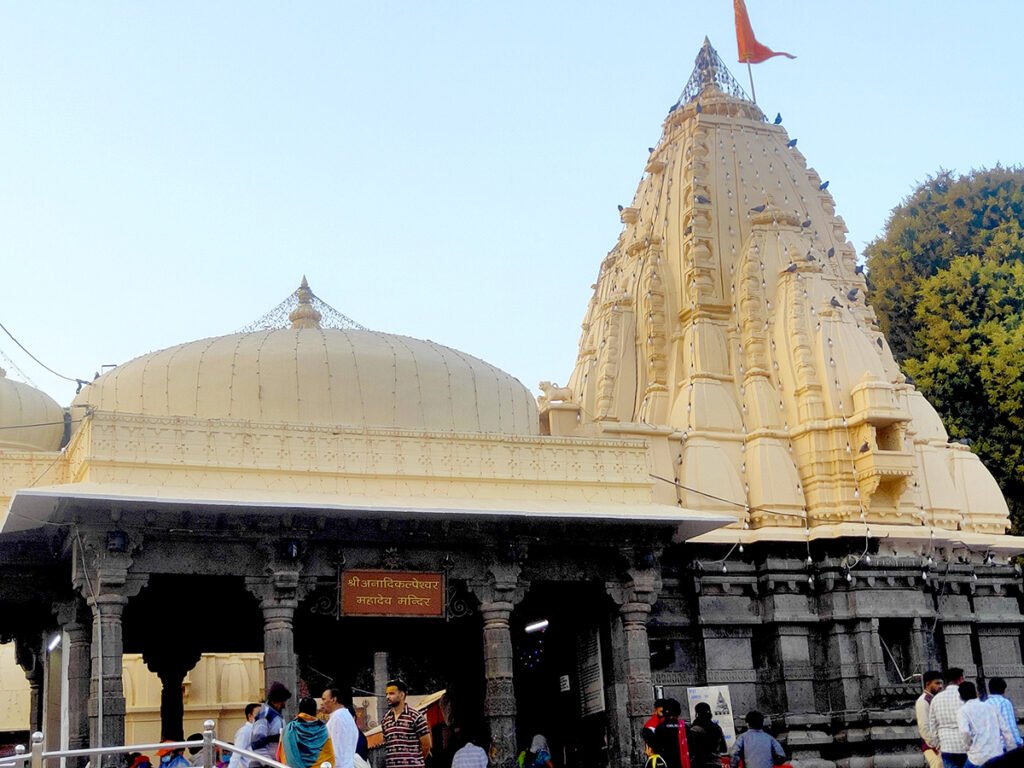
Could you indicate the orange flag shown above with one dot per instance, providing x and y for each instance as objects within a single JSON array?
[{"x": 751, "y": 51}]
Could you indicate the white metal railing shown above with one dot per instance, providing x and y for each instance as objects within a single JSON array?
[{"x": 35, "y": 757}]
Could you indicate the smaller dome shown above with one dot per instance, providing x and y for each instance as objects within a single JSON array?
[{"x": 30, "y": 420}]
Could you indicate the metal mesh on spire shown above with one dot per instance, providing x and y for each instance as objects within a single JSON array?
[
  {"x": 710, "y": 70},
  {"x": 281, "y": 315}
]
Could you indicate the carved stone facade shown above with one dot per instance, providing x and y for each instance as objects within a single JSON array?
[{"x": 835, "y": 661}]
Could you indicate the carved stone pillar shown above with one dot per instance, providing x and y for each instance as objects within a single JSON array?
[
  {"x": 797, "y": 668},
  {"x": 499, "y": 595},
  {"x": 380, "y": 672},
  {"x": 75, "y": 622},
  {"x": 634, "y": 599},
  {"x": 279, "y": 595},
  {"x": 28, "y": 652},
  {"x": 107, "y": 583},
  {"x": 170, "y": 661}
]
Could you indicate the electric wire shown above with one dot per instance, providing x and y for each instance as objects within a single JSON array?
[
  {"x": 39, "y": 424},
  {"x": 40, "y": 362}
]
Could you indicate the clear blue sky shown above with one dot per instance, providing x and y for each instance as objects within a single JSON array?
[{"x": 446, "y": 170}]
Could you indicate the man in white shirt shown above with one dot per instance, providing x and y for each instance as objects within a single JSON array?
[
  {"x": 944, "y": 721},
  {"x": 340, "y": 725},
  {"x": 243, "y": 738},
  {"x": 986, "y": 734},
  {"x": 470, "y": 755},
  {"x": 932, "y": 681}
]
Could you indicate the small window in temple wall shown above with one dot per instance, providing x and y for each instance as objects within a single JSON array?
[
  {"x": 889, "y": 438},
  {"x": 895, "y": 636}
]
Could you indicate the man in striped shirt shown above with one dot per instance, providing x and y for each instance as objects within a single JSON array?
[
  {"x": 406, "y": 733},
  {"x": 997, "y": 698}
]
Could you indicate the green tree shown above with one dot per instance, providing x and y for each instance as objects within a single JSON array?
[{"x": 947, "y": 281}]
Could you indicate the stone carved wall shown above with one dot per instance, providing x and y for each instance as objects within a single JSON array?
[{"x": 812, "y": 652}]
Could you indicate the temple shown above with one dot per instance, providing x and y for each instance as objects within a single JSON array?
[{"x": 736, "y": 487}]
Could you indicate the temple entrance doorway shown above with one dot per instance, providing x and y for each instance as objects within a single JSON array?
[
  {"x": 561, "y": 644},
  {"x": 362, "y": 653}
]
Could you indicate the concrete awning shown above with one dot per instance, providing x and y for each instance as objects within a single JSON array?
[{"x": 34, "y": 507}]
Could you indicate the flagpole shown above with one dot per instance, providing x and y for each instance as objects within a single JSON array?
[{"x": 750, "y": 72}]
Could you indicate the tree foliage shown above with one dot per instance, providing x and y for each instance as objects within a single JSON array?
[{"x": 947, "y": 281}]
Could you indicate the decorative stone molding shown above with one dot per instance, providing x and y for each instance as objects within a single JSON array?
[
  {"x": 636, "y": 596},
  {"x": 726, "y": 676},
  {"x": 500, "y": 586},
  {"x": 339, "y": 461},
  {"x": 668, "y": 677}
]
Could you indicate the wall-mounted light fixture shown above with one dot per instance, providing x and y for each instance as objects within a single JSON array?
[
  {"x": 117, "y": 541},
  {"x": 292, "y": 549}
]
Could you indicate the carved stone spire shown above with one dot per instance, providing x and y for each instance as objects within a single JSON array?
[{"x": 305, "y": 315}]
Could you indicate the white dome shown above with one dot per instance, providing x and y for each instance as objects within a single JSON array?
[{"x": 320, "y": 376}]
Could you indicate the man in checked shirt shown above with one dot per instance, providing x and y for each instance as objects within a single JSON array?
[{"x": 944, "y": 720}]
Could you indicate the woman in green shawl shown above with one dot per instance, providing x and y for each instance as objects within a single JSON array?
[{"x": 305, "y": 742}]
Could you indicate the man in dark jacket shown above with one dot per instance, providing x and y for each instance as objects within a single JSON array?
[
  {"x": 705, "y": 739},
  {"x": 670, "y": 737}
]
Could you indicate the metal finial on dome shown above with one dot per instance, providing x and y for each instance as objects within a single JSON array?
[
  {"x": 304, "y": 315},
  {"x": 710, "y": 71},
  {"x": 302, "y": 309}
]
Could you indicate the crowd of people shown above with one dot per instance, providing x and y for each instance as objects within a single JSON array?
[
  {"x": 960, "y": 730},
  {"x": 324, "y": 732},
  {"x": 671, "y": 743}
]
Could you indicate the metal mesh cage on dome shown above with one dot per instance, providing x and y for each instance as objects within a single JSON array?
[
  {"x": 710, "y": 70},
  {"x": 279, "y": 316}
]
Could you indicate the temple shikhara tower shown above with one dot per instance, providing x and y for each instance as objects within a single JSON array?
[
  {"x": 737, "y": 495},
  {"x": 730, "y": 317}
]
